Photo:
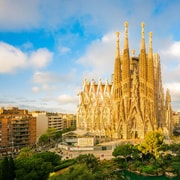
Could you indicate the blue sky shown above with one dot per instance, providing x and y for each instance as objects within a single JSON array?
[{"x": 47, "y": 47}]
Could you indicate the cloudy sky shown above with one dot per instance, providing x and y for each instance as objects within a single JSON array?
[{"x": 47, "y": 47}]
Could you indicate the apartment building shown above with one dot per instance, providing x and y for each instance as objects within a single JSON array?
[
  {"x": 46, "y": 120},
  {"x": 70, "y": 120},
  {"x": 41, "y": 122},
  {"x": 176, "y": 123},
  {"x": 55, "y": 120},
  {"x": 17, "y": 129}
]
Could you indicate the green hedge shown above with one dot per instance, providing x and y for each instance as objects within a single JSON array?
[
  {"x": 149, "y": 169},
  {"x": 64, "y": 165}
]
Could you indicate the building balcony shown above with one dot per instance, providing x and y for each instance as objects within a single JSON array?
[
  {"x": 20, "y": 130},
  {"x": 21, "y": 134},
  {"x": 20, "y": 125},
  {"x": 20, "y": 139}
]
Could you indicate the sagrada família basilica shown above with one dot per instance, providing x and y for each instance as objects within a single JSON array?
[{"x": 133, "y": 102}]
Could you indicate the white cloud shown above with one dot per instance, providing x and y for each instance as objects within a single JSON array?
[
  {"x": 172, "y": 51},
  {"x": 49, "y": 81},
  {"x": 19, "y": 14},
  {"x": 100, "y": 55},
  {"x": 35, "y": 89},
  {"x": 40, "y": 58},
  {"x": 12, "y": 58},
  {"x": 67, "y": 99},
  {"x": 43, "y": 87},
  {"x": 42, "y": 77},
  {"x": 64, "y": 50}
]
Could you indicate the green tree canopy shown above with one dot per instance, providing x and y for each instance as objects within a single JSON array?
[
  {"x": 49, "y": 157},
  {"x": 123, "y": 150},
  {"x": 78, "y": 171},
  {"x": 12, "y": 168},
  {"x": 25, "y": 153},
  {"x": 50, "y": 135},
  {"x": 89, "y": 159},
  {"x": 5, "y": 169},
  {"x": 44, "y": 139},
  {"x": 51, "y": 132},
  {"x": 32, "y": 168},
  {"x": 152, "y": 143}
]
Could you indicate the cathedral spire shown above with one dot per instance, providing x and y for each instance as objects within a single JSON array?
[
  {"x": 126, "y": 63},
  {"x": 133, "y": 53},
  {"x": 126, "y": 35},
  {"x": 117, "y": 70},
  {"x": 142, "y": 57},
  {"x": 142, "y": 37},
  {"x": 150, "y": 61},
  {"x": 117, "y": 45},
  {"x": 150, "y": 70},
  {"x": 168, "y": 96},
  {"x": 150, "y": 52},
  {"x": 150, "y": 40}
]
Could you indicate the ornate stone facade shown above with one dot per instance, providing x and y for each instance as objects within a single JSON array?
[{"x": 133, "y": 103}]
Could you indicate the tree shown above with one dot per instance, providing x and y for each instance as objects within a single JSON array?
[
  {"x": 91, "y": 162},
  {"x": 12, "y": 168},
  {"x": 5, "y": 169},
  {"x": 152, "y": 143},
  {"x": 51, "y": 132},
  {"x": 89, "y": 159},
  {"x": 58, "y": 135},
  {"x": 37, "y": 167},
  {"x": 136, "y": 154},
  {"x": 123, "y": 150},
  {"x": 25, "y": 153},
  {"x": 33, "y": 168},
  {"x": 52, "y": 135},
  {"x": 49, "y": 157},
  {"x": 49, "y": 135},
  {"x": 79, "y": 171},
  {"x": 44, "y": 139}
]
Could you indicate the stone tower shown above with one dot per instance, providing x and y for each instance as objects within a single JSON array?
[{"x": 133, "y": 103}]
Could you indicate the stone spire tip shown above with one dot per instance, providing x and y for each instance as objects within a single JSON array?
[
  {"x": 117, "y": 44},
  {"x": 142, "y": 25},
  {"x": 117, "y": 33},
  {"x": 126, "y": 28},
  {"x": 126, "y": 35},
  {"x": 150, "y": 39},
  {"x": 126, "y": 24},
  {"x": 133, "y": 52}
]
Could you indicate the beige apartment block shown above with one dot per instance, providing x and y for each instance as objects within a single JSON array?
[
  {"x": 46, "y": 120},
  {"x": 41, "y": 122}
]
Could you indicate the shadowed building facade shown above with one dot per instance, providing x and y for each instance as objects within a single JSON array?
[
  {"x": 133, "y": 103},
  {"x": 17, "y": 129}
]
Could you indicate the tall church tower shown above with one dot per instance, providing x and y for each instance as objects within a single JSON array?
[
  {"x": 142, "y": 74},
  {"x": 133, "y": 103},
  {"x": 117, "y": 72},
  {"x": 126, "y": 71},
  {"x": 117, "y": 90}
]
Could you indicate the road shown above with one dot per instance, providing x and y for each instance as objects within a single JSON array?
[{"x": 101, "y": 154}]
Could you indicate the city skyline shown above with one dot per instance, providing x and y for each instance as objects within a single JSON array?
[{"x": 47, "y": 49}]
